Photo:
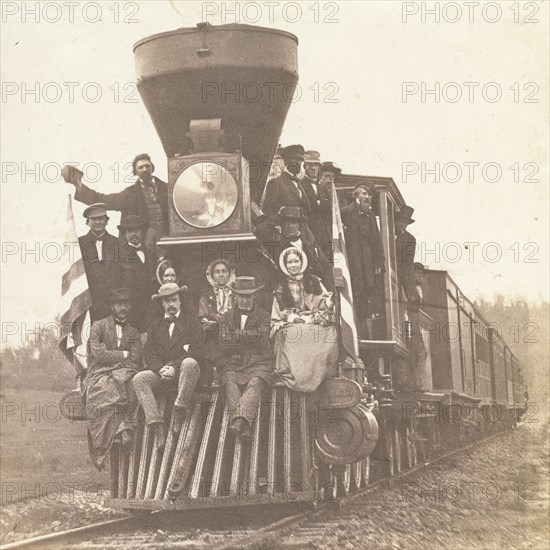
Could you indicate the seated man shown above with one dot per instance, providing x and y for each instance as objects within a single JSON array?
[
  {"x": 115, "y": 356},
  {"x": 172, "y": 352},
  {"x": 247, "y": 365}
]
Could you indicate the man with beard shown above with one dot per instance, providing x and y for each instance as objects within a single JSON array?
[
  {"x": 247, "y": 364},
  {"x": 115, "y": 356},
  {"x": 147, "y": 198},
  {"x": 286, "y": 189},
  {"x": 101, "y": 260},
  {"x": 173, "y": 352},
  {"x": 365, "y": 253},
  {"x": 138, "y": 264}
]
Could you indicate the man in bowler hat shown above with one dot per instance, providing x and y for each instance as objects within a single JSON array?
[{"x": 173, "y": 352}]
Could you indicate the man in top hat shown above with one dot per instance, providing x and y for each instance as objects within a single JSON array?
[
  {"x": 247, "y": 364},
  {"x": 173, "y": 352},
  {"x": 147, "y": 197},
  {"x": 319, "y": 200},
  {"x": 115, "y": 355},
  {"x": 100, "y": 255},
  {"x": 365, "y": 253},
  {"x": 292, "y": 231},
  {"x": 286, "y": 189},
  {"x": 405, "y": 248},
  {"x": 137, "y": 263}
]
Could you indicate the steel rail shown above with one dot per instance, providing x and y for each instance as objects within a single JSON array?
[{"x": 263, "y": 534}]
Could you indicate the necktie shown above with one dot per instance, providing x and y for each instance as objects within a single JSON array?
[
  {"x": 170, "y": 322},
  {"x": 139, "y": 253},
  {"x": 119, "y": 326}
]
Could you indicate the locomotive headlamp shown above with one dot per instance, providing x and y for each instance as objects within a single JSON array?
[{"x": 205, "y": 194}]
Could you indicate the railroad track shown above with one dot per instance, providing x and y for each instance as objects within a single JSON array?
[{"x": 237, "y": 529}]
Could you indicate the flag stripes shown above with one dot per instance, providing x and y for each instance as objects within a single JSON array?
[
  {"x": 75, "y": 294},
  {"x": 342, "y": 277}
]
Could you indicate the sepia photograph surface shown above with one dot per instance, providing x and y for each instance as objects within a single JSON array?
[{"x": 275, "y": 274}]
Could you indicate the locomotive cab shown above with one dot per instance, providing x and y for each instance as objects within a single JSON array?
[{"x": 382, "y": 338}]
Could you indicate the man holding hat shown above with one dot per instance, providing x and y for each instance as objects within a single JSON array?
[
  {"x": 286, "y": 189},
  {"x": 147, "y": 197},
  {"x": 319, "y": 202},
  {"x": 114, "y": 357},
  {"x": 138, "y": 265},
  {"x": 173, "y": 352},
  {"x": 365, "y": 253},
  {"x": 247, "y": 366},
  {"x": 100, "y": 255},
  {"x": 405, "y": 248}
]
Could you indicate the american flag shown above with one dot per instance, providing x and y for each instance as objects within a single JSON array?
[
  {"x": 75, "y": 297},
  {"x": 342, "y": 279}
]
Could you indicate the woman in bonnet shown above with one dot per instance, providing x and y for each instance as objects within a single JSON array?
[
  {"x": 302, "y": 325},
  {"x": 216, "y": 301}
]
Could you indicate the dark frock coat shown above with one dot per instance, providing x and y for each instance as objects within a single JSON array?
[
  {"x": 129, "y": 201},
  {"x": 319, "y": 214},
  {"x": 141, "y": 279},
  {"x": 364, "y": 247},
  {"x": 405, "y": 247},
  {"x": 186, "y": 341},
  {"x": 246, "y": 352},
  {"x": 283, "y": 191},
  {"x": 107, "y": 388},
  {"x": 103, "y": 276}
]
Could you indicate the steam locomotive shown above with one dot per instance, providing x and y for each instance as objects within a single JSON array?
[{"x": 304, "y": 447}]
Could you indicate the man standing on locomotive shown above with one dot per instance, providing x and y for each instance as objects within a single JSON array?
[
  {"x": 405, "y": 248},
  {"x": 365, "y": 253},
  {"x": 114, "y": 357},
  {"x": 319, "y": 202},
  {"x": 291, "y": 223},
  {"x": 247, "y": 366},
  {"x": 137, "y": 264},
  {"x": 286, "y": 189},
  {"x": 147, "y": 198},
  {"x": 100, "y": 255},
  {"x": 173, "y": 352}
]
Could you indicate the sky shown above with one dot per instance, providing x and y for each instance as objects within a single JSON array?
[{"x": 450, "y": 99}]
